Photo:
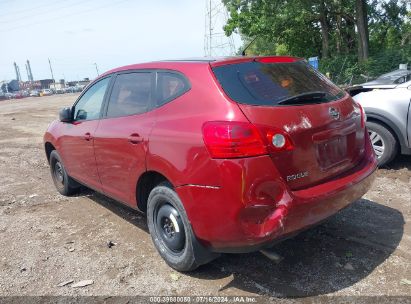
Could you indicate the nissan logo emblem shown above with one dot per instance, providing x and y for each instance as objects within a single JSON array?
[{"x": 334, "y": 113}]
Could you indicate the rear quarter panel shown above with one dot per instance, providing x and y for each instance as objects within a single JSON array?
[{"x": 176, "y": 147}]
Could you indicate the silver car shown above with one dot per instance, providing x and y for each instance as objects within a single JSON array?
[
  {"x": 388, "y": 112},
  {"x": 390, "y": 79}
]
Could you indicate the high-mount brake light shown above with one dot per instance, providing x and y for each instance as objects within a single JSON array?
[{"x": 276, "y": 59}]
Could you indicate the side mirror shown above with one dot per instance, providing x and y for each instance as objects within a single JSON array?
[
  {"x": 65, "y": 115},
  {"x": 81, "y": 115}
]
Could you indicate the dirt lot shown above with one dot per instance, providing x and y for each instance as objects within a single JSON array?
[{"x": 47, "y": 239}]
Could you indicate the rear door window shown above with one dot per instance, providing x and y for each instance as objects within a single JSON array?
[
  {"x": 170, "y": 85},
  {"x": 132, "y": 94},
  {"x": 257, "y": 83}
]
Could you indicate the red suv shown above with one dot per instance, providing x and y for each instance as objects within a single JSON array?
[{"x": 227, "y": 155}]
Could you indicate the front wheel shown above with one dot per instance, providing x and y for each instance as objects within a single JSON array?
[
  {"x": 383, "y": 142},
  {"x": 63, "y": 182},
  {"x": 171, "y": 231}
]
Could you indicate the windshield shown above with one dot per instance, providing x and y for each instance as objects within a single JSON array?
[{"x": 258, "y": 83}]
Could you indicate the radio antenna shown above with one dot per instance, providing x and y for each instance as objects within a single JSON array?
[{"x": 243, "y": 52}]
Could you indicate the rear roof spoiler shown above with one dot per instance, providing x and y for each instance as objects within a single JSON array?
[{"x": 263, "y": 59}]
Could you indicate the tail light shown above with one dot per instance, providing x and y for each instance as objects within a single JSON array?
[
  {"x": 363, "y": 116},
  {"x": 232, "y": 139},
  {"x": 360, "y": 110},
  {"x": 278, "y": 140}
]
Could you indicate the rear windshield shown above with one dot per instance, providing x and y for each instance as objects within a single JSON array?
[{"x": 258, "y": 83}]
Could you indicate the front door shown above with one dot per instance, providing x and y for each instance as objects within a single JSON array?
[{"x": 78, "y": 137}]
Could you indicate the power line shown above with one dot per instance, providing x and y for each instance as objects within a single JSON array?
[
  {"x": 61, "y": 17},
  {"x": 5, "y": 12},
  {"x": 45, "y": 12}
]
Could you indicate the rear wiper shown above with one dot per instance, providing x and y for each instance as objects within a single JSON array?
[{"x": 304, "y": 97}]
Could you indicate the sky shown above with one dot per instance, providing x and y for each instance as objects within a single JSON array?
[{"x": 77, "y": 35}]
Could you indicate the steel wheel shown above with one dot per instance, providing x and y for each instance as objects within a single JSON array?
[
  {"x": 170, "y": 228},
  {"x": 377, "y": 143},
  {"x": 63, "y": 182},
  {"x": 58, "y": 172}
]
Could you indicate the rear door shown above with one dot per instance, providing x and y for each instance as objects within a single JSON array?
[
  {"x": 76, "y": 144},
  {"x": 122, "y": 136},
  {"x": 322, "y": 121}
]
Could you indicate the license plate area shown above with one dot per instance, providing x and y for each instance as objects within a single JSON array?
[{"x": 332, "y": 152}]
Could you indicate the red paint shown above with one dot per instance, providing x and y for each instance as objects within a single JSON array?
[
  {"x": 120, "y": 146},
  {"x": 75, "y": 144},
  {"x": 231, "y": 202}
]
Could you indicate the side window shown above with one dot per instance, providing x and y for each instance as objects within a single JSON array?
[
  {"x": 89, "y": 105},
  {"x": 131, "y": 94},
  {"x": 169, "y": 86}
]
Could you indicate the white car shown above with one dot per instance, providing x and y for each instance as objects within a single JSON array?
[
  {"x": 34, "y": 93},
  {"x": 46, "y": 92},
  {"x": 388, "y": 112}
]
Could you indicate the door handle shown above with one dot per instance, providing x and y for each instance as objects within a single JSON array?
[
  {"x": 135, "y": 138},
  {"x": 88, "y": 136}
]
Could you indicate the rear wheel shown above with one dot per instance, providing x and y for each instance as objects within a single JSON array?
[
  {"x": 171, "y": 231},
  {"x": 64, "y": 183},
  {"x": 383, "y": 142}
]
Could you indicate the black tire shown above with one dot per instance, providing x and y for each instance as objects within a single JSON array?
[
  {"x": 384, "y": 142},
  {"x": 63, "y": 182},
  {"x": 174, "y": 238}
]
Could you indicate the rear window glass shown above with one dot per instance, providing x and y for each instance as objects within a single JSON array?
[{"x": 258, "y": 83}]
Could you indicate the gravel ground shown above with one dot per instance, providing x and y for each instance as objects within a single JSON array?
[{"x": 48, "y": 239}]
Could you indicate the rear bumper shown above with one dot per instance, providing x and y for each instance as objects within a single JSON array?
[{"x": 254, "y": 209}]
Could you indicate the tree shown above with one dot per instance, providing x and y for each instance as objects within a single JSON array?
[
  {"x": 362, "y": 29},
  {"x": 283, "y": 23},
  {"x": 352, "y": 37}
]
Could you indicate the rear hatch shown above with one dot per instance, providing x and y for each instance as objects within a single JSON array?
[{"x": 322, "y": 122}]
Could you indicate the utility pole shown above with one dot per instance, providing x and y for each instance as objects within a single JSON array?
[
  {"x": 210, "y": 29},
  {"x": 16, "y": 68},
  {"x": 29, "y": 71},
  {"x": 18, "y": 73},
  {"x": 216, "y": 43},
  {"x": 52, "y": 76},
  {"x": 98, "y": 74}
]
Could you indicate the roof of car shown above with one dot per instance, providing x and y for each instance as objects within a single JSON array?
[
  {"x": 399, "y": 72},
  {"x": 213, "y": 61},
  {"x": 388, "y": 78}
]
